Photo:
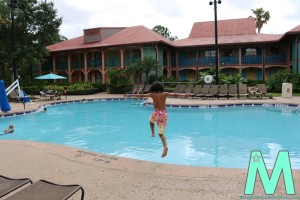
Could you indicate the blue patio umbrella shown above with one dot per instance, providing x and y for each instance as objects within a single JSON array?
[{"x": 50, "y": 77}]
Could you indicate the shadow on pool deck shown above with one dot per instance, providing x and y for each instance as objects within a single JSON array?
[{"x": 111, "y": 177}]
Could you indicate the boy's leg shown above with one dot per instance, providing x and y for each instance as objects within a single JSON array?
[
  {"x": 164, "y": 142},
  {"x": 152, "y": 129}
]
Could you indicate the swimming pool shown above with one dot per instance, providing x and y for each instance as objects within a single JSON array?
[{"x": 215, "y": 137}]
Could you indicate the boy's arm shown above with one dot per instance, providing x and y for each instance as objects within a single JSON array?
[
  {"x": 137, "y": 95},
  {"x": 178, "y": 94}
]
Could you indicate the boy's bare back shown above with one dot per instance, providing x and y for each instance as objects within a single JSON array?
[{"x": 159, "y": 100}]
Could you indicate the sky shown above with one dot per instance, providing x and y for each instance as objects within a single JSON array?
[{"x": 177, "y": 15}]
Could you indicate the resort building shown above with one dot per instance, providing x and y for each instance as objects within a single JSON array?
[{"x": 254, "y": 55}]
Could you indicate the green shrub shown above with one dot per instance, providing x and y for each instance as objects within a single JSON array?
[
  {"x": 83, "y": 92},
  {"x": 79, "y": 88},
  {"x": 274, "y": 83},
  {"x": 118, "y": 82},
  {"x": 31, "y": 90}
]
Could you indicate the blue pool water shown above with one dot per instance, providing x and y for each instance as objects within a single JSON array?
[{"x": 216, "y": 137}]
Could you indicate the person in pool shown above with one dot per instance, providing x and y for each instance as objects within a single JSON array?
[
  {"x": 9, "y": 130},
  {"x": 159, "y": 115}
]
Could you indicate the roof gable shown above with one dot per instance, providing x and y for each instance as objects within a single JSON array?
[
  {"x": 129, "y": 35},
  {"x": 295, "y": 30},
  {"x": 244, "y": 26},
  {"x": 135, "y": 35}
]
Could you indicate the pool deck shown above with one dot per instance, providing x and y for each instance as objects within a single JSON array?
[{"x": 110, "y": 177}]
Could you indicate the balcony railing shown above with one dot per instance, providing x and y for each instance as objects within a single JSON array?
[
  {"x": 252, "y": 59},
  {"x": 94, "y": 64},
  {"x": 130, "y": 60},
  {"x": 232, "y": 60},
  {"x": 276, "y": 59},
  {"x": 112, "y": 62},
  {"x": 229, "y": 60},
  {"x": 187, "y": 62},
  {"x": 206, "y": 61}
]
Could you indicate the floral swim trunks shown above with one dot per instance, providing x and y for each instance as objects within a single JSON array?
[{"x": 161, "y": 117}]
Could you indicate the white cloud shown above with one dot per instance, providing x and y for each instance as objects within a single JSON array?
[{"x": 177, "y": 15}]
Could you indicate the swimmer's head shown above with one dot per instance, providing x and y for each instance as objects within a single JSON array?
[
  {"x": 45, "y": 109},
  {"x": 11, "y": 126}
]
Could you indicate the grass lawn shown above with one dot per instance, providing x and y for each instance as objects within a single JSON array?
[{"x": 279, "y": 94}]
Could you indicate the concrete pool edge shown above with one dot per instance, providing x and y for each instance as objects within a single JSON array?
[
  {"x": 111, "y": 177},
  {"x": 117, "y": 163}
]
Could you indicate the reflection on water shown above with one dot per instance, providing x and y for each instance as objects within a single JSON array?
[{"x": 219, "y": 137}]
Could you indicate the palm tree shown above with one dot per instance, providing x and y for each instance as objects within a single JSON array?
[
  {"x": 146, "y": 65},
  {"x": 137, "y": 70},
  {"x": 150, "y": 64},
  {"x": 261, "y": 17}
]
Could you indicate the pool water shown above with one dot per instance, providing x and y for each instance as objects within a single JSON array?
[{"x": 215, "y": 137}]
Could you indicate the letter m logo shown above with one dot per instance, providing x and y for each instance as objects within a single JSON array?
[{"x": 257, "y": 165}]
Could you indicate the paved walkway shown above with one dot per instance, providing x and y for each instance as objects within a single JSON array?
[{"x": 111, "y": 177}]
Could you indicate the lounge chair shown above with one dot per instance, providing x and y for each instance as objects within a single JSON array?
[
  {"x": 233, "y": 90},
  {"x": 262, "y": 91},
  {"x": 146, "y": 89},
  {"x": 213, "y": 91},
  {"x": 46, "y": 96},
  {"x": 182, "y": 89},
  {"x": 204, "y": 91},
  {"x": 196, "y": 90},
  {"x": 223, "y": 91},
  {"x": 243, "y": 91},
  {"x": 189, "y": 89},
  {"x": 8, "y": 185},
  {"x": 252, "y": 91},
  {"x": 177, "y": 88},
  {"x": 135, "y": 89},
  {"x": 45, "y": 190},
  {"x": 14, "y": 95}
]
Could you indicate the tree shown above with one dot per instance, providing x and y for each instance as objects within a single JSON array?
[
  {"x": 261, "y": 17},
  {"x": 150, "y": 64},
  {"x": 144, "y": 66},
  {"x": 136, "y": 69},
  {"x": 117, "y": 81},
  {"x": 164, "y": 31},
  {"x": 36, "y": 26},
  {"x": 275, "y": 81}
]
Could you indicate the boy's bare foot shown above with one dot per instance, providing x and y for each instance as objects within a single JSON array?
[
  {"x": 165, "y": 152},
  {"x": 153, "y": 135}
]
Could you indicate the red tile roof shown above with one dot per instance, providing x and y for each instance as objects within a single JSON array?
[
  {"x": 226, "y": 40},
  {"x": 244, "y": 26},
  {"x": 295, "y": 30},
  {"x": 74, "y": 43},
  {"x": 230, "y": 32},
  {"x": 129, "y": 35}
]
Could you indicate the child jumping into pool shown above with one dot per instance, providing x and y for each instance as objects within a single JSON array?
[{"x": 159, "y": 115}]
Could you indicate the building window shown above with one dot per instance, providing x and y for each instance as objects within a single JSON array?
[
  {"x": 251, "y": 52},
  {"x": 228, "y": 52},
  {"x": 210, "y": 54},
  {"x": 274, "y": 51},
  {"x": 137, "y": 53}
]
